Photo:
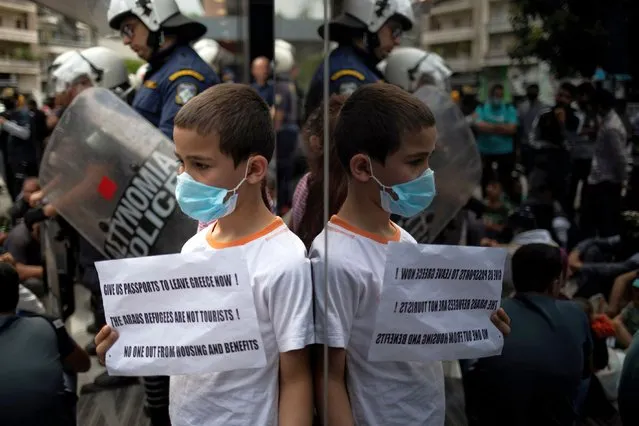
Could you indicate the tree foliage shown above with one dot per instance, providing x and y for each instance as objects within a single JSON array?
[{"x": 574, "y": 36}]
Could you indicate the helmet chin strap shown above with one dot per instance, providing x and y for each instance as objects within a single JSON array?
[
  {"x": 154, "y": 40},
  {"x": 371, "y": 42}
]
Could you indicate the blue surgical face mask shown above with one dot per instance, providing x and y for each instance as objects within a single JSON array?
[
  {"x": 410, "y": 198},
  {"x": 203, "y": 202}
]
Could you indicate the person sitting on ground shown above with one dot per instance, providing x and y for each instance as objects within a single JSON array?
[
  {"x": 627, "y": 322},
  {"x": 537, "y": 378},
  {"x": 596, "y": 262},
  {"x": 34, "y": 352}
]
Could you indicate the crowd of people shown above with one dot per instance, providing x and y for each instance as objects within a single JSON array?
[{"x": 558, "y": 191}]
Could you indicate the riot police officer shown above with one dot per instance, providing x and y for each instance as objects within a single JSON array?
[
  {"x": 158, "y": 33},
  {"x": 20, "y": 152},
  {"x": 367, "y": 31}
]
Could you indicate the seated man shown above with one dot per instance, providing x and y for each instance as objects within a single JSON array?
[
  {"x": 34, "y": 352},
  {"x": 629, "y": 385},
  {"x": 536, "y": 380}
]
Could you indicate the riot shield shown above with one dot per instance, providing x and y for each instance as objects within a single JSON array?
[
  {"x": 456, "y": 163},
  {"x": 112, "y": 176}
]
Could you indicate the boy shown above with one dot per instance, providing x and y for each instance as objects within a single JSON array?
[
  {"x": 497, "y": 210},
  {"x": 384, "y": 138},
  {"x": 224, "y": 140}
]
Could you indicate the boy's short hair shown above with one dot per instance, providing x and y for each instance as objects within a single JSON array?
[
  {"x": 535, "y": 267},
  {"x": 237, "y": 114},
  {"x": 568, "y": 87},
  {"x": 9, "y": 288},
  {"x": 375, "y": 118}
]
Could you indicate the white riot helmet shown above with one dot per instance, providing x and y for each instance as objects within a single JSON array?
[
  {"x": 156, "y": 15},
  {"x": 57, "y": 62},
  {"x": 205, "y": 42},
  {"x": 283, "y": 58},
  {"x": 102, "y": 66},
  {"x": 406, "y": 67},
  {"x": 283, "y": 44},
  {"x": 370, "y": 15},
  {"x": 208, "y": 50}
]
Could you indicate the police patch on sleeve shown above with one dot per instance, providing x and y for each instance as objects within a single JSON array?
[
  {"x": 347, "y": 88},
  {"x": 185, "y": 92}
]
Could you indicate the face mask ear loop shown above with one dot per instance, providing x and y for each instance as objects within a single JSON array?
[
  {"x": 234, "y": 190},
  {"x": 383, "y": 187}
]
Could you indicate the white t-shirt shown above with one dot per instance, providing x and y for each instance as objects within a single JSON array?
[
  {"x": 283, "y": 291},
  {"x": 381, "y": 393}
]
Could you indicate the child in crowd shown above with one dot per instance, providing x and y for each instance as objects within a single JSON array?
[
  {"x": 384, "y": 138},
  {"x": 224, "y": 140},
  {"x": 496, "y": 212},
  {"x": 308, "y": 200}
]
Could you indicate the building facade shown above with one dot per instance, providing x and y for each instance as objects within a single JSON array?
[
  {"x": 58, "y": 34},
  {"x": 19, "y": 52},
  {"x": 474, "y": 37}
]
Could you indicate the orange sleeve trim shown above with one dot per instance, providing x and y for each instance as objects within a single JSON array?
[
  {"x": 277, "y": 222},
  {"x": 336, "y": 220}
]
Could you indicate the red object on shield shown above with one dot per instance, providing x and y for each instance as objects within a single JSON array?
[{"x": 107, "y": 188}]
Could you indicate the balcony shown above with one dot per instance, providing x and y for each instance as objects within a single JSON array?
[
  {"x": 497, "y": 58},
  {"x": 18, "y": 35},
  {"x": 10, "y": 65},
  {"x": 459, "y": 64},
  {"x": 499, "y": 26},
  {"x": 452, "y": 35},
  {"x": 18, "y": 6},
  {"x": 67, "y": 42},
  {"x": 450, "y": 6}
]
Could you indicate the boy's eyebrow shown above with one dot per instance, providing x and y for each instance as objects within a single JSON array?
[
  {"x": 194, "y": 157},
  {"x": 420, "y": 154}
]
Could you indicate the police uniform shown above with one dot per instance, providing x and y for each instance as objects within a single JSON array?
[
  {"x": 266, "y": 92},
  {"x": 285, "y": 102},
  {"x": 350, "y": 68},
  {"x": 173, "y": 78}
]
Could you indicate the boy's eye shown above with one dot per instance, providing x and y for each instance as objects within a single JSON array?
[
  {"x": 417, "y": 162},
  {"x": 200, "y": 166}
]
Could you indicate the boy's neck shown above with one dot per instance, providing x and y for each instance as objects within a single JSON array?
[
  {"x": 363, "y": 213},
  {"x": 250, "y": 216}
]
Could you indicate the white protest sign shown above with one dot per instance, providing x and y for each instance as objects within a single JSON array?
[
  {"x": 436, "y": 303},
  {"x": 181, "y": 314}
]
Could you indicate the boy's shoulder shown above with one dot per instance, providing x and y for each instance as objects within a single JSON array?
[{"x": 344, "y": 244}]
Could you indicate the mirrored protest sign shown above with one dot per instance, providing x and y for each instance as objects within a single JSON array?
[
  {"x": 436, "y": 303},
  {"x": 112, "y": 176},
  {"x": 181, "y": 314}
]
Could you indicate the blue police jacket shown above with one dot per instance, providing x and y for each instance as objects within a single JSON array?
[
  {"x": 174, "y": 77},
  {"x": 350, "y": 67},
  {"x": 285, "y": 101},
  {"x": 265, "y": 91}
]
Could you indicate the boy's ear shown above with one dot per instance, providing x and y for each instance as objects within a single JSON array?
[
  {"x": 257, "y": 169},
  {"x": 360, "y": 168}
]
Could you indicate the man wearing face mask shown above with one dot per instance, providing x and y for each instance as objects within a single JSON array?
[
  {"x": 366, "y": 31},
  {"x": 496, "y": 125},
  {"x": 550, "y": 137},
  {"x": 528, "y": 112},
  {"x": 602, "y": 199}
]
